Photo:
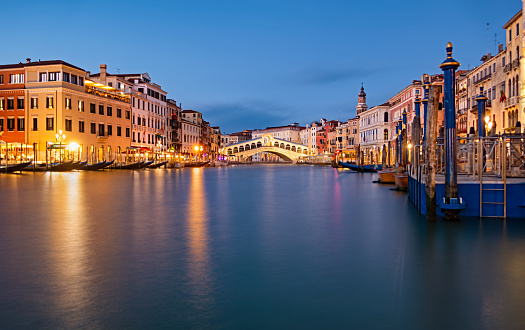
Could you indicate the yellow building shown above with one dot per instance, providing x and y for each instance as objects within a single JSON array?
[{"x": 92, "y": 116}]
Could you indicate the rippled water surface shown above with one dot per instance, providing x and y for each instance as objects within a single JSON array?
[{"x": 246, "y": 247}]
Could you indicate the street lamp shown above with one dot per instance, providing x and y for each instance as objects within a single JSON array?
[
  {"x": 196, "y": 148},
  {"x": 60, "y": 137}
]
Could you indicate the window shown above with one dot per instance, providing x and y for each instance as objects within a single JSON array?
[
  {"x": 93, "y": 128},
  {"x": 92, "y": 108},
  {"x": 517, "y": 29},
  {"x": 49, "y": 123},
  {"x": 110, "y": 130},
  {"x": 110, "y": 111},
  {"x": 143, "y": 122},
  {"x": 43, "y": 76},
  {"x": 16, "y": 78},
  {"x": 494, "y": 67},
  {"x": 490, "y": 94},
  {"x": 20, "y": 122},
  {"x": 69, "y": 125},
  {"x": 10, "y": 104},
  {"x": 503, "y": 61},
  {"x": 119, "y": 131},
  {"x": 54, "y": 76},
  {"x": 2, "y": 106},
  {"x": 127, "y": 132},
  {"x": 68, "y": 103},
  {"x": 493, "y": 92},
  {"x": 101, "y": 109},
  {"x": 49, "y": 102},
  {"x": 101, "y": 130},
  {"x": 81, "y": 126},
  {"x": 1, "y": 79},
  {"x": 133, "y": 134},
  {"x": 20, "y": 103},
  {"x": 127, "y": 115},
  {"x": 10, "y": 124},
  {"x": 81, "y": 81},
  {"x": 81, "y": 106},
  {"x": 35, "y": 124},
  {"x": 73, "y": 79},
  {"x": 110, "y": 84},
  {"x": 510, "y": 34},
  {"x": 65, "y": 77},
  {"x": 34, "y": 103},
  {"x": 119, "y": 114},
  {"x": 1, "y": 124}
]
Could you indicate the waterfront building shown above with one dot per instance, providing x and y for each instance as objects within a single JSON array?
[
  {"x": 227, "y": 139},
  {"x": 174, "y": 126},
  {"x": 13, "y": 104},
  {"x": 462, "y": 103},
  {"x": 148, "y": 104},
  {"x": 374, "y": 131},
  {"x": 308, "y": 137},
  {"x": 215, "y": 141},
  {"x": 326, "y": 136},
  {"x": 94, "y": 117},
  {"x": 191, "y": 130}
]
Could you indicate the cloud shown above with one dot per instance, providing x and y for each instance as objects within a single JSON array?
[
  {"x": 252, "y": 114},
  {"x": 322, "y": 76}
]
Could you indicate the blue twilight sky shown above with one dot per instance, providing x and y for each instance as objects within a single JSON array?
[{"x": 252, "y": 64}]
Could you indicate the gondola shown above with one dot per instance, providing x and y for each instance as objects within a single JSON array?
[
  {"x": 362, "y": 168},
  {"x": 132, "y": 166},
  {"x": 157, "y": 165},
  {"x": 10, "y": 168}
]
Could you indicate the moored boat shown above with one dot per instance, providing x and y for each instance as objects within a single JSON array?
[
  {"x": 10, "y": 168},
  {"x": 362, "y": 168},
  {"x": 401, "y": 180},
  {"x": 157, "y": 165},
  {"x": 387, "y": 175},
  {"x": 131, "y": 166}
]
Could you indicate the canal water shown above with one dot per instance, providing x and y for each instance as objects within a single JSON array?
[{"x": 246, "y": 247}]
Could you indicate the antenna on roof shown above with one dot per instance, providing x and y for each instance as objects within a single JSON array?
[{"x": 487, "y": 42}]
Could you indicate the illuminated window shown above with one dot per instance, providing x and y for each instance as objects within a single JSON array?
[
  {"x": 34, "y": 103},
  {"x": 81, "y": 106},
  {"x": 49, "y": 102},
  {"x": 54, "y": 76},
  {"x": 68, "y": 103}
]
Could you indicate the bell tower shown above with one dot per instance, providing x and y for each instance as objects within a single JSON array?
[{"x": 361, "y": 101}]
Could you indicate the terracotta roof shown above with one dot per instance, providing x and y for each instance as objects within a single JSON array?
[{"x": 39, "y": 63}]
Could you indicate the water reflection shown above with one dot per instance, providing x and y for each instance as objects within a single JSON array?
[
  {"x": 197, "y": 221},
  {"x": 69, "y": 253}
]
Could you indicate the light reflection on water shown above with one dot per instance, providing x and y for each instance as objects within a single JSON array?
[{"x": 244, "y": 247}]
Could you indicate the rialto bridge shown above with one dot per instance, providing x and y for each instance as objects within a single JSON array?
[{"x": 289, "y": 151}]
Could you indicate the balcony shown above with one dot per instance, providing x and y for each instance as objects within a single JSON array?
[
  {"x": 462, "y": 111},
  {"x": 507, "y": 68},
  {"x": 474, "y": 109},
  {"x": 511, "y": 101},
  {"x": 515, "y": 64},
  {"x": 482, "y": 79},
  {"x": 102, "y": 135}
]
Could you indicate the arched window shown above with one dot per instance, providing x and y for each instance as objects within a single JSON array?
[
  {"x": 385, "y": 134},
  {"x": 385, "y": 117}
]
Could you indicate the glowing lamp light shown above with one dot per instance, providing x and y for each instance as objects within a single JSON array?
[
  {"x": 196, "y": 148},
  {"x": 74, "y": 146},
  {"x": 487, "y": 119}
]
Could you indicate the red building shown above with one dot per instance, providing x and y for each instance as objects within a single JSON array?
[{"x": 12, "y": 104}]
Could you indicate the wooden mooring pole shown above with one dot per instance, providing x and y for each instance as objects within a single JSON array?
[{"x": 430, "y": 152}]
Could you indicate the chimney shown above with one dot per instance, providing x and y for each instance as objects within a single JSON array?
[
  {"x": 500, "y": 48},
  {"x": 103, "y": 68},
  {"x": 28, "y": 60}
]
